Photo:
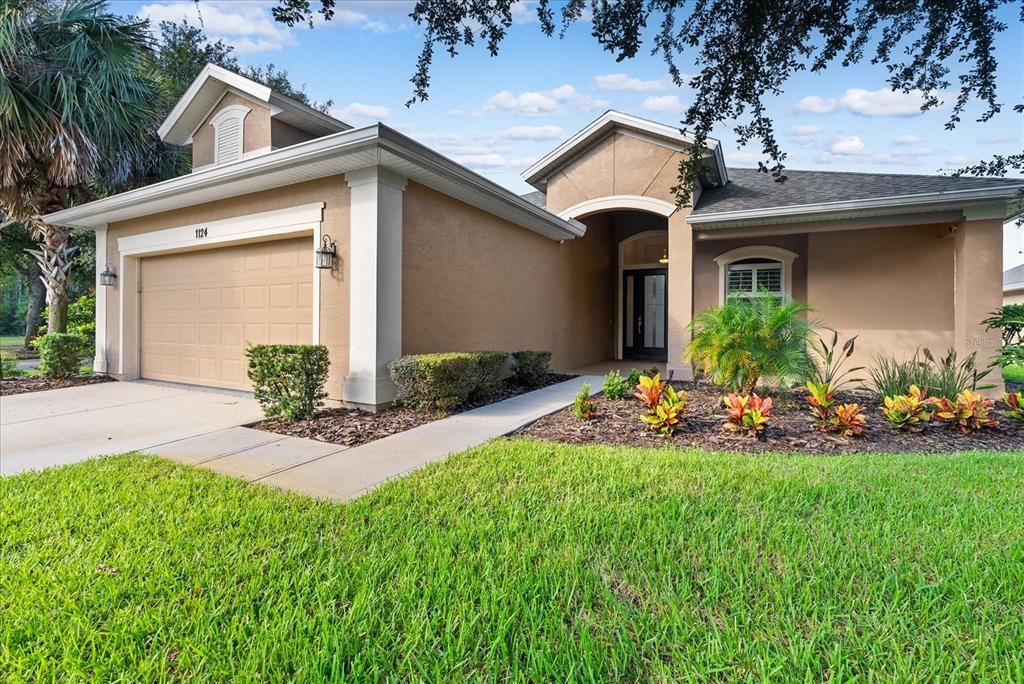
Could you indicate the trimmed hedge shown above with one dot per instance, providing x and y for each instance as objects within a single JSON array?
[
  {"x": 288, "y": 379},
  {"x": 444, "y": 382},
  {"x": 60, "y": 354},
  {"x": 530, "y": 368}
]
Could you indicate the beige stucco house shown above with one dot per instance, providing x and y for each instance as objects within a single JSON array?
[{"x": 597, "y": 264}]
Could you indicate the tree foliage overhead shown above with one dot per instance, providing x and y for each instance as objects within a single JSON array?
[{"x": 746, "y": 50}]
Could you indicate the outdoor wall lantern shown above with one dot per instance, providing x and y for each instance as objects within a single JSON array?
[
  {"x": 108, "y": 276},
  {"x": 325, "y": 253},
  {"x": 664, "y": 256}
]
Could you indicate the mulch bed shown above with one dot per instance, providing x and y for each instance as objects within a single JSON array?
[
  {"x": 618, "y": 423},
  {"x": 9, "y": 386},
  {"x": 352, "y": 427}
]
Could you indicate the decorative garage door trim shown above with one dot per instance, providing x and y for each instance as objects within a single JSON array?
[{"x": 267, "y": 225}]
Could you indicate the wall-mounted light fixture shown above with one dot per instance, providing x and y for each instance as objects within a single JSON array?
[
  {"x": 108, "y": 276},
  {"x": 325, "y": 253},
  {"x": 664, "y": 256}
]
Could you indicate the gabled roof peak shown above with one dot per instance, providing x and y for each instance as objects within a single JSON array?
[
  {"x": 537, "y": 175},
  {"x": 210, "y": 86}
]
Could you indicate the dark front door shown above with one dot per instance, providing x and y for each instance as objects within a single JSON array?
[{"x": 645, "y": 314}]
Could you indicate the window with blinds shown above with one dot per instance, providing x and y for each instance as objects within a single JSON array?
[{"x": 746, "y": 279}]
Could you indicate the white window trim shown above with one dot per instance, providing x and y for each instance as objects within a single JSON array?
[
  {"x": 268, "y": 225},
  {"x": 230, "y": 112},
  {"x": 766, "y": 252}
]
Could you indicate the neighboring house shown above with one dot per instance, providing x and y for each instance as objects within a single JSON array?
[
  {"x": 1013, "y": 285},
  {"x": 598, "y": 264}
]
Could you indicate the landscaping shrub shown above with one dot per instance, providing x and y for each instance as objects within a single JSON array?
[
  {"x": 59, "y": 354},
  {"x": 490, "y": 372},
  {"x": 443, "y": 382},
  {"x": 633, "y": 379},
  {"x": 945, "y": 377},
  {"x": 950, "y": 376},
  {"x": 746, "y": 340},
  {"x": 615, "y": 388},
  {"x": 1015, "y": 402},
  {"x": 748, "y": 413},
  {"x": 822, "y": 403},
  {"x": 288, "y": 379},
  {"x": 583, "y": 405},
  {"x": 908, "y": 411},
  {"x": 649, "y": 390},
  {"x": 666, "y": 415},
  {"x": 969, "y": 412},
  {"x": 9, "y": 366},
  {"x": 848, "y": 420},
  {"x": 81, "y": 320},
  {"x": 827, "y": 368},
  {"x": 530, "y": 368}
]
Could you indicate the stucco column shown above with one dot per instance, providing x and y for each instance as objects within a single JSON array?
[
  {"x": 680, "y": 292},
  {"x": 99, "y": 362},
  {"x": 978, "y": 287},
  {"x": 375, "y": 284}
]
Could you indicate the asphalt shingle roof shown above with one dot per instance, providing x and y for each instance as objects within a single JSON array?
[
  {"x": 751, "y": 189},
  {"x": 536, "y": 197},
  {"x": 1014, "y": 276}
]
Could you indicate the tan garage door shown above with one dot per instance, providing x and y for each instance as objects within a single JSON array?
[{"x": 198, "y": 309}]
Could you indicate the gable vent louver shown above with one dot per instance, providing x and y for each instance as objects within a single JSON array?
[{"x": 228, "y": 130}]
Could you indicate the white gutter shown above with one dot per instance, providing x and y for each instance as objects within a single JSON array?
[
  {"x": 92, "y": 214},
  {"x": 969, "y": 195}
]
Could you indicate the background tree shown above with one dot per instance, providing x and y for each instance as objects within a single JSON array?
[
  {"x": 21, "y": 282},
  {"x": 76, "y": 98},
  {"x": 746, "y": 50}
]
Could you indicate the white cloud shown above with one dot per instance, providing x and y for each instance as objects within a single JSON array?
[
  {"x": 663, "y": 103},
  {"x": 536, "y": 103},
  {"x": 848, "y": 145},
  {"x": 1000, "y": 139},
  {"x": 246, "y": 26},
  {"x": 816, "y": 105},
  {"x": 882, "y": 102},
  {"x": 806, "y": 130},
  {"x": 358, "y": 110},
  {"x": 744, "y": 157},
  {"x": 628, "y": 83},
  {"x": 958, "y": 159},
  {"x": 523, "y": 12},
  {"x": 533, "y": 133},
  {"x": 909, "y": 139},
  {"x": 492, "y": 162}
]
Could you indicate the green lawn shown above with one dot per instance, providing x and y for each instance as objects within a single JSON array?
[
  {"x": 522, "y": 561},
  {"x": 12, "y": 340},
  {"x": 1013, "y": 373}
]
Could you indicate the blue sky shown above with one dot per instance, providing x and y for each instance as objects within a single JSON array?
[{"x": 498, "y": 115}]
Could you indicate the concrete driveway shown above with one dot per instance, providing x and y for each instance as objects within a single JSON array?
[{"x": 55, "y": 427}]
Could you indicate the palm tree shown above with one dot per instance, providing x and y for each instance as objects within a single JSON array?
[{"x": 77, "y": 94}]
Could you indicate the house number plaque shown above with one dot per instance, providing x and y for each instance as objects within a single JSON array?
[{"x": 202, "y": 232}]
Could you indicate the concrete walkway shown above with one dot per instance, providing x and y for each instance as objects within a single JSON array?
[{"x": 336, "y": 472}]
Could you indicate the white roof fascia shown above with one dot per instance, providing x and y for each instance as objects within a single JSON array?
[
  {"x": 211, "y": 71},
  {"x": 484, "y": 193},
  {"x": 537, "y": 174},
  {"x": 971, "y": 195}
]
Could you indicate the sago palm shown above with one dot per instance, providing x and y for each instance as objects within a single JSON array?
[
  {"x": 745, "y": 340},
  {"x": 76, "y": 99}
]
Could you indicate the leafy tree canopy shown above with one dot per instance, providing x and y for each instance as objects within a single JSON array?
[{"x": 746, "y": 51}]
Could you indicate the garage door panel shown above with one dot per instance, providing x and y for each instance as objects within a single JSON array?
[{"x": 200, "y": 309}]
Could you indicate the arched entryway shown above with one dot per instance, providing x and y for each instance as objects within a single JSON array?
[{"x": 635, "y": 230}]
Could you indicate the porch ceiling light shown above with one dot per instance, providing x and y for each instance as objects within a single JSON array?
[
  {"x": 325, "y": 253},
  {"x": 108, "y": 276},
  {"x": 664, "y": 256}
]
